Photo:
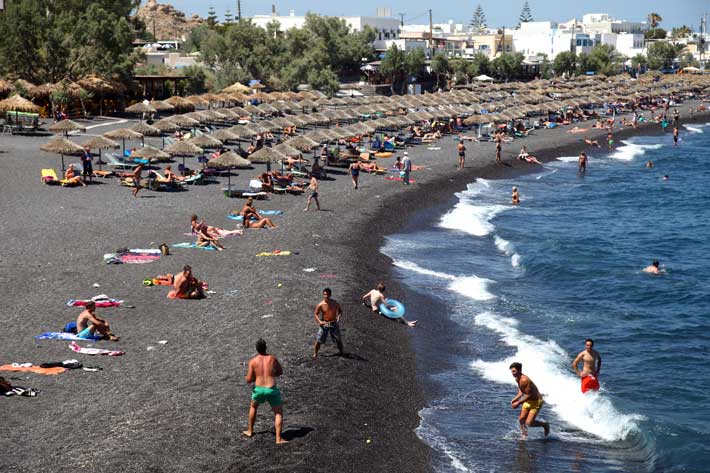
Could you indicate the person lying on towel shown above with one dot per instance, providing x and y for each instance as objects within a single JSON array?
[
  {"x": 71, "y": 178},
  {"x": 186, "y": 286},
  {"x": 88, "y": 324}
]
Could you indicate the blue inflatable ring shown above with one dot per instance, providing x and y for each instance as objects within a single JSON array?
[{"x": 392, "y": 314}]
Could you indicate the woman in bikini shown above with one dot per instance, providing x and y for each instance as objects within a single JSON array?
[
  {"x": 248, "y": 212},
  {"x": 216, "y": 232}
]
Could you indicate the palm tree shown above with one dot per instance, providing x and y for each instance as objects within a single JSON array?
[{"x": 654, "y": 19}]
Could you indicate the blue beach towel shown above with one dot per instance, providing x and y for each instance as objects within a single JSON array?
[
  {"x": 65, "y": 336},
  {"x": 239, "y": 218},
  {"x": 194, "y": 246}
]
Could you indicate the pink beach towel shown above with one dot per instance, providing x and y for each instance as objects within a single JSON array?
[{"x": 94, "y": 351}]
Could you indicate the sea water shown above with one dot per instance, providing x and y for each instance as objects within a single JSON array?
[{"x": 493, "y": 283}]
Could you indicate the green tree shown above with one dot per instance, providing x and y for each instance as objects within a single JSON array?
[
  {"x": 654, "y": 19},
  {"x": 507, "y": 66},
  {"x": 565, "y": 63},
  {"x": 440, "y": 66},
  {"x": 525, "y": 14},
  {"x": 414, "y": 62},
  {"x": 228, "y": 17},
  {"x": 478, "y": 22},
  {"x": 194, "y": 81},
  {"x": 687, "y": 60},
  {"x": 604, "y": 59},
  {"x": 546, "y": 69},
  {"x": 656, "y": 33},
  {"x": 661, "y": 55},
  {"x": 211, "y": 17},
  {"x": 459, "y": 67},
  {"x": 393, "y": 65},
  {"x": 681, "y": 32},
  {"x": 480, "y": 64},
  {"x": 639, "y": 62},
  {"x": 584, "y": 64}
]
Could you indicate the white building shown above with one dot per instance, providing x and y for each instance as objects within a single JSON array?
[
  {"x": 627, "y": 44},
  {"x": 386, "y": 28},
  {"x": 439, "y": 29},
  {"x": 598, "y": 23}
]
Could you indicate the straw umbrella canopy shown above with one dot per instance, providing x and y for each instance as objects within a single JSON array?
[
  {"x": 282, "y": 122},
  {"x": 224, "y": 135},
  {"x": 100, "y": 143},
  {"x": 16, "y": 103},
  {"x": 318, "y": 136},
  {"x": 184, "y": 121},
  {"x": 267, "y": 155},
  {"x": 242, "y": 132},
  {"x": 161, "y": 106},
  {"x": 146, "y": 130},
  {"x": 62, "y": 146},
  {"x": 141, "y": 108},
  {"x": 205, "y": 141},
  {"x": 123, "y": 134},
  {"x": 288, "y": 150},
  {"x": 229, "y": 160},
  {"x": 183, "y": 149},
  {"x": 302, "y": 143},
  {"x": 150, "y": 153},
  {"x": 65, "y": 126},
  {"x": 179, "y": 103},
  {"x": 5, "y": 87},
  {"x": 237, "y": 87}
]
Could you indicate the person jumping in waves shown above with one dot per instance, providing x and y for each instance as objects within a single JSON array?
[
  {"x": 531, "y": 400},
  {"x": 591, "y": 365}
]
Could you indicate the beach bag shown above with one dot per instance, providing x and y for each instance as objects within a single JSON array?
[
  {"x": 164, "y": 249},
  {"x": 70, "y": 327}
]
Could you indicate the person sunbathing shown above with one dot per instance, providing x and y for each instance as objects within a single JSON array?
[
  {"x": 170, "y": 176},
  {"x": 371, "y": 167},
  {"x": 591, "y": 142},
  {"x": 525, "y": 156},
  {"x": 71, "y": 178},
  {"x": 88, "y": 324},
  {"x": 248, "y": 213},
  {"x": 267, "y": 183},
  {"x": 204, "y": 239},
  {"x": 216, "y": 232},
  {"x": 186, "y": 286},
  {"x": 576, "y": 129}
]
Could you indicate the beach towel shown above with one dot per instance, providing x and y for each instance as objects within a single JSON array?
[
  {"x": 274, "y": 253},
  {"x": 392, "y": 178},
  {"x": 194, "y": 246},
  {"x": 101, "y": 301},
  {"x": 65, "y": 336},
  {"x": 32, "y": 369},
  {"x": 19, "y": 391},
  {"x": 262, "y": 212},
  {"x": 94, "y": 351},
  {"x": 133, "y": 256}
]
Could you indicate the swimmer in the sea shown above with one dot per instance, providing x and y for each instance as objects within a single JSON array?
[
  {"x": 653, "y": 268},
  {"x": 515, "y": 197},
  {"x": 649, "y": 164},
  {"x": 666, "y": 177}
]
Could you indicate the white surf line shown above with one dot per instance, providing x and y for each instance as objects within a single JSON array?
[{"x": 115, "y": 122}]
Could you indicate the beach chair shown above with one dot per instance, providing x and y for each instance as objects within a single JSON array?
[
  {"x": 195, "y": 179},
  {"x": 113, "y": 161},
  {"x": 49, "y": 177}
]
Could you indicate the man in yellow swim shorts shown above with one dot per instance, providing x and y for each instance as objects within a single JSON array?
[{"x": 531, "y": 400}]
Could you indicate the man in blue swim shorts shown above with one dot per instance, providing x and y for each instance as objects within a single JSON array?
[
  {"x": 327, "y": 314},
  {"x": 263, "y": 371}
]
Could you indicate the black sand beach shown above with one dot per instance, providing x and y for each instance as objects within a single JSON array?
[{"x": 181, "y": 406}]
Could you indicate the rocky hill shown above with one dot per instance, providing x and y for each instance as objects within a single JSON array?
[{"x": 170, "y": 24}]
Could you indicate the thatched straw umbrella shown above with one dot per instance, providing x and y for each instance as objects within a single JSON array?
[
  {"x": 224, "y": 135},
  {"x": 183, "y": 149},
  {"x": 123, "y": 134},
  {"x": 183, "y": 121},
  {"x": 100, "y": 143},
  {"x": 229, "y": 160},
  {"x": 242, "y": 132},
  {"x": 150, "y": 153},
  {"x": 142, "y": 109},
  {"x": 268, "y": 156},
  {"x": 5, "y": 87},
  {"x": 62, "y": 146},
  {"x": 302, "y": 143},
  {"x": 146, "y": 130},
  {"x": 16, "y": 103},
  {"x": 205, "y": 141},
  {"x": 180, "y": 103},
  {"x": 65, "y": 126},
  {"x": 161, "y": 106},
  {"x": 237, "y": 87}
]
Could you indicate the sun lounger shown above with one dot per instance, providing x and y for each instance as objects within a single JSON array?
[
  {"x": 114, "y": 162},
  {"x": 197, "y": 179}
]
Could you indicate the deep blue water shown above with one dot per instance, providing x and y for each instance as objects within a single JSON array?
[{"x": 492, "y": 283}]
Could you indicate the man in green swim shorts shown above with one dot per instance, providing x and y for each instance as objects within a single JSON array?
[{"x": 263, "y": 371}]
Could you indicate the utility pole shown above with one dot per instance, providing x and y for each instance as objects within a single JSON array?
[
  {"x": 239, "y": 10},
  {"x": 431, "y": 34},
  {"x": 401, "y": 19}
]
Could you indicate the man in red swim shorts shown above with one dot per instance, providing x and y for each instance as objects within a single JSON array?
[{"x": 591, "y": 365}]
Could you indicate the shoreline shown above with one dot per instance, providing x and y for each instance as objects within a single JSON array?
[{"x": 188, "y": 400}]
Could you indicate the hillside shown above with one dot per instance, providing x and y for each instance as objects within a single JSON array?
[{"x": 167, "y": 22}]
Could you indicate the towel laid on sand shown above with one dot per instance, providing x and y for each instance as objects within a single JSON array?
[
  {"x": 65, "y": 336},
  {"x": 194, "y": 246},
  {"x": 390, "y": 178},
  {"x": 274, "y": 253},
  {"x": 19, "y": 391},
  {"x": 100, "y": 302},
  {"x": 133, "y": 256},
  {"x": 239, "y": 218},
  {"x": 94, "y": 351},
  {"x": 32, "y": 369}
]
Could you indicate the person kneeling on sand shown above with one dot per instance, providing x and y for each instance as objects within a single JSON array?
[
  {"x": 248, "y": 213},
  {"x": 88, "y": 323},
  {"x": 262, "y": 371},
  {"x": 186, "y": 286},
  {"x": 377, "y": 297}
]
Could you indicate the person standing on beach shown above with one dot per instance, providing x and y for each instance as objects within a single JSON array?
[
  {"x": 355, "y": 173},
  {"x": 313, "y": 194},
  {"x": 582, "y": 163},
  {"x": 87, "y": 168},
  {"x": 136, "y": 176},
  {"x": 327, "y": 314},
  {"x": 531, "y": 400},
  {"x": 262, "y": 371},
  {"x": 406, "y": 168},
  {"x": 499, "y": 147},
  {"x": 591, "y": 365},
  {"x": 675, "y": 136},
  {"x": 462, "y": 154}
]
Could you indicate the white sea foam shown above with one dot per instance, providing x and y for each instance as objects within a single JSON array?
[
  {"x": 630, "y": 150},
  {"x": 507, "y": 247},
  {"x": 694, "y": 128},
  {"x": 469, "y": 217},
  {"x": 548, "y": 365},
  {"x": 436, "y": 440},
  {"x": 472, "y": 287},
  {"x": 568, "y": 159}
]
